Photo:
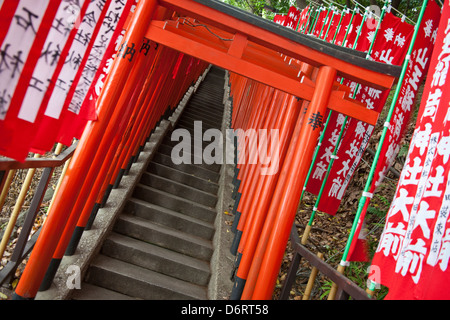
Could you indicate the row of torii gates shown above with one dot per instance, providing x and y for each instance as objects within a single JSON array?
[{"x": 248, "y": 46}]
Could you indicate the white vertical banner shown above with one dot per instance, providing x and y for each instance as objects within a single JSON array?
[
  {"x": 74, "y": 59},
  {"x": 66, "y": 18},
  {"x": 16, "y": 48}
]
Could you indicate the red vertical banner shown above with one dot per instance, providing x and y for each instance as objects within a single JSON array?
[
  {"x": 392, "y": 40},
  {"x": 304, "y": 18},
  {"x": 333, "y": 28},
  {"x": 59, "y": 107},
  {"x": 355, "y": 137},
  {"x": 292, "y": 18},
  {"x": 414, "y": 75},
  {"x": 320, "y": 21},
  {"x": 414, "y": 249},
  {"x": 279, "y": 19},
  {"x": 351, "y": 30}
]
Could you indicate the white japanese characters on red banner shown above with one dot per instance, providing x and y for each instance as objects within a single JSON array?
[
  {"x": 332, "y": 27},
  {"x": 321, "y": 21},
  {"x": 304, "y": 18},
  {"x": 414, "y": 75},
  {"x": 357, "y": 133},
  {"x": 290, "y": 20},
  {"x": 392, "y": 40},
  {"x": 414, "y": 250}
]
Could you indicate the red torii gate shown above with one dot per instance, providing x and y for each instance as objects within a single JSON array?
[{"x": 244, "y": 44}]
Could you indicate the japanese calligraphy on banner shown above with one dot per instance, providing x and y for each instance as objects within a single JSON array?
[
  {"x": 354, "y": 140},
  {"x": 51, "y": 57},
  {"x": 415, "y": 73},
  {"x": 279, "y": 19},
  {"x": 304, "y": 19},
  {"x": 414, "y": 250},
  {"x": 349, "y": 29},
  {"x": 20, "y": 52},
  {"x": 321, "y": 20},
  {"x": 67, "y": 78},
  {"x": 290, "y": 20},
  {"x": 82, "y": 105},
  {"x": 48, "y": 60},
  {"x": 392, "y": 40},
  {"x": 330, "y": 31},
  {"x": 16, "y": 47}
]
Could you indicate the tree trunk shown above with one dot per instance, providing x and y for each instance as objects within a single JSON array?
[{"x": 301, "y": 4}]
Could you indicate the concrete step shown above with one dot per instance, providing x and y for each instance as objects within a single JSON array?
[
  {"x": 182, "y": 177},
  {"x": 197, "y": 114},
  {"x": 141, "y": 283},
  {"x": 91, "y": 292},
  {"x": 189, "y": 123},
  {"x": 169, "y": 218},
  {"x": 196, "y": 154},
  {"x": 179, "y": 189},
  {"x": 198, "y": 108},
  {"x": 163, "y": 236},
  {"x": 157, "y": 259},
  {"x": 175, "y": 203},
  {"x": 193, "y": 169},
  {"x": 205, "y": 108},
  {"x": 194, "y": 115}
]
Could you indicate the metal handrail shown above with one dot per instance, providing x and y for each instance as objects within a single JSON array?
[
  {"x": 346, "y": 286},
  {"x": 25, "y": 243},
  {"x": 36, "y": 163}
]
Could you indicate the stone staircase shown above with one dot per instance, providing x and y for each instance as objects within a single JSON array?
[{"x": 161, "y": 244}]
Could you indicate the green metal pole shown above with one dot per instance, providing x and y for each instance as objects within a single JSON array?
[
  {"x": 339, "y": 24},
  {"x": 304, "y": 27},
  {"x": 367, "y": 187},
  {"x": 336, "y": 147},
  {"x": 316, "y": 17},
  {"x": 324, "y": 23},
  {"x": 329, "y": 114},
  {"x": 329, "y": 24}
]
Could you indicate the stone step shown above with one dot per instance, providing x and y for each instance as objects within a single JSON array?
[
  {"x": 179, "y": 189},
  {"x": 91, "y": 292},
  {"x": 141, "y": 283},
  {"x": 193, "y": 169},
  {"x": 182, "y": 177},
  {"x": 169, "y": 218},
  {"x": 175, "y": 203},
  {"x": 163, "y": 236},
  {"x": 157, "y": 259},
  {"x": 196, "y": 154},
  {"x": 191, "y": 116}
]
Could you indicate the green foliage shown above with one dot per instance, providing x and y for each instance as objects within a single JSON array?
[
  {"x": 257, "y": 6},
  {"x": 410, "y": 8}
]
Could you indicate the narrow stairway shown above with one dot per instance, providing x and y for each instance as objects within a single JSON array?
[{"x": 161, "y": 243}]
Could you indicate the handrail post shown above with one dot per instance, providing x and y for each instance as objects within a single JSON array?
[{"x": 82, "y": 160}]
